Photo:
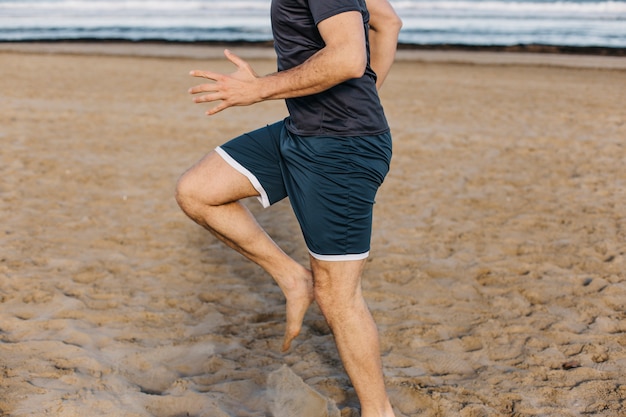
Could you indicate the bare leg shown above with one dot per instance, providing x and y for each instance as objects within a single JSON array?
[
  {"x": 337, "y": 287},
  {"x": 209, "y": 194}
]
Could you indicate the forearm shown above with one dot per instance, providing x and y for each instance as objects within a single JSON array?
[
  {"x": 343, "y": 57},
  {"x": 326, "y": 68},
  {"x": 382, "y": 53},
  {"x": 385, "y": 27}
]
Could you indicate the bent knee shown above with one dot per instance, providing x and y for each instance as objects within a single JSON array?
[
  {"x": 212, "y": 182},
  {"x": 185, "y": 194},
  {"x": 197, "y": 188}
]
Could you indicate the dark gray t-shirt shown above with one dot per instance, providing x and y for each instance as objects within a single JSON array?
[{"x": 351, "y": 108}]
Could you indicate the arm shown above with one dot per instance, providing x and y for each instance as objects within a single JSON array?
[
  {"x": 342, "y": 58},
  {"x": 384, "y": 29}
]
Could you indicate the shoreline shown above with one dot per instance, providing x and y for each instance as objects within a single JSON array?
[
  {"x": 597, "y": 58},
  {"x": 595, "y": 50}
]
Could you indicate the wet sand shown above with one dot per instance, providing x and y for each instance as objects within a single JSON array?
[{"x": 497, "y": 272}]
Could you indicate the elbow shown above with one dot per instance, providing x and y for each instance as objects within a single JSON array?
[
  {"x": 397, "y": 24},
  {"x": 350, "y": 65},
  {"x": 348, "y": 58},
  {"x": 388, "y": 22},
  {"x": 355, "y": 63},
  {"x": 393, "y": 24},
  {"x": 358, "y": 69}
]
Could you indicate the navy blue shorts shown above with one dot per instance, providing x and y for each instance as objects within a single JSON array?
[{"x": 331, "y": 183}]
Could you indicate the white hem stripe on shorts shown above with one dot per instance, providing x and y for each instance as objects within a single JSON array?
[
  {"x": 263, "y": 199},
  {"x": 337, "y": 258}
]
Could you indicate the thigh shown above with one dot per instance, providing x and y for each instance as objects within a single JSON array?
[
  {"x": 246, "y": 166},
  {"x": 215, "y": 182}
]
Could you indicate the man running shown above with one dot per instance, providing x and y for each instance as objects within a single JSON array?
[{"x": 329, "y": 156}]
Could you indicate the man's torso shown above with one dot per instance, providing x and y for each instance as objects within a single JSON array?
[{"x": 351, "y": 108}]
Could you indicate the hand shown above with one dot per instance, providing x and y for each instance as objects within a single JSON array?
[{"x": 237, "y": 89}]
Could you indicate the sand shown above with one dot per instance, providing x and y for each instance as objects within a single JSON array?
[{"x": 497, "y": 274}]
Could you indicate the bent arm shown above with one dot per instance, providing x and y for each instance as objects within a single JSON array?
[
  {"x": 385, "y": 26},
  {"x": 342, "y": 58}
]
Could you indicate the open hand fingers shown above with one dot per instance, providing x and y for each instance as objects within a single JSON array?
[
  {"x": 223, "y": 105},
  {"x": 231, "y": 90},
  {"x": 207, "y": 98},
  {"x": 212, "y": 89},
  {"x": 202, "y": 88},
  {"x": 209, "y": 75},
  {"x": 213, "y": 94},
  {"x": 239, "y": 63}
]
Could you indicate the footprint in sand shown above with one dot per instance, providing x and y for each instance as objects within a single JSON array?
[{"x": 291, "y": 396}]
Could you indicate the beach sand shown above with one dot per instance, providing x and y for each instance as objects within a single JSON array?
[{"x": 497, "y": 272}]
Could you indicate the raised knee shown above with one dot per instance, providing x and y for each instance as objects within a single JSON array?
[
  {"x": 181, "y": 191},
  {"x": 185, "y": 193},
  {"x": 195, "y": 194}
]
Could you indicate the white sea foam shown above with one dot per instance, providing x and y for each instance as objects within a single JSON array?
[
  {"x": 479, "y": 22},
  {"x": 507, "y": 7}
]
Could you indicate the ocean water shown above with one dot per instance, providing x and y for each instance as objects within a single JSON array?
[{"x": 467, "y": 22}]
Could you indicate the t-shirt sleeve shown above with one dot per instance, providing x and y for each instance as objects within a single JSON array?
[{"x": 323, "y": 9}]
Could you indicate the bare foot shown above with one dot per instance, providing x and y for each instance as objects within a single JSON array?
[{"x": 299, "y": 297}]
